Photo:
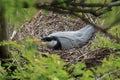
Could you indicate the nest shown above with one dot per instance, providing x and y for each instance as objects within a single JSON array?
[{"x": 42, "y": 25}]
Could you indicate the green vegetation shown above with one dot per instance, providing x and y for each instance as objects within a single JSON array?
[{"x": 30, "y": 64}]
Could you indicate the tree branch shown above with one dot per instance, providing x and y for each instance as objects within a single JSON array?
[
  {"x": 107, "y": 74},
  {"x": 96, "y": 4},
  {"x": 74, "y": 7}
]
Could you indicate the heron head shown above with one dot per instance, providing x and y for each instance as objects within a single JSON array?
[{"x": 50, "y": 41}]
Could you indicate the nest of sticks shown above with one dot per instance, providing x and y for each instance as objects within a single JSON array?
[{"x": 42, "y": 25}]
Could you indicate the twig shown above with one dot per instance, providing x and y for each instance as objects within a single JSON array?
[
  {"x": 107, "y": 74},
  {"x": 13, "y": 34},
  {"x": 117, "y": 3}
]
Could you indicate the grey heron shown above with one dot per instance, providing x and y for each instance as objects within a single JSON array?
[{"x": 69, "y": 39}]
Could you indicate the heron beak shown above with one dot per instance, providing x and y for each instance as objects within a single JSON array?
[{"x": 38, "y": 41}]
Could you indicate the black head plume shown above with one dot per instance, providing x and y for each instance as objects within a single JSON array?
[{"x": 48, "y": 38}]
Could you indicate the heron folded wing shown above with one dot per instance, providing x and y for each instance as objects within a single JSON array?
[{"x": 66, "y": 43}]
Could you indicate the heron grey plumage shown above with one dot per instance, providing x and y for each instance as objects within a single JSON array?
[{"x": 70, "y": 39}]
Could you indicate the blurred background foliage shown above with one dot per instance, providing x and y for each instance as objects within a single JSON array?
[{"x": 30, "y": 64}]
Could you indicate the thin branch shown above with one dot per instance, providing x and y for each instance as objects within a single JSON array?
[
  {"x": 117, "y": 3},
  {"x": 73, "y": 8},
  {"x": 69, "y": 9},
  {"x": 107, "y": 74}
]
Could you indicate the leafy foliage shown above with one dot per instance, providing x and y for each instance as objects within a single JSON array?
[
  {"x": 112, "y": 18},
  {"x": 3, "y": 73},
  {"x": 102, "y": 42},
  {"x": 16, "y": 14},
  {"x": 33, "y": 66}
]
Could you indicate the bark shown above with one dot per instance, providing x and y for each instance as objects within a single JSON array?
[{"x": 4, "y": 53}]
